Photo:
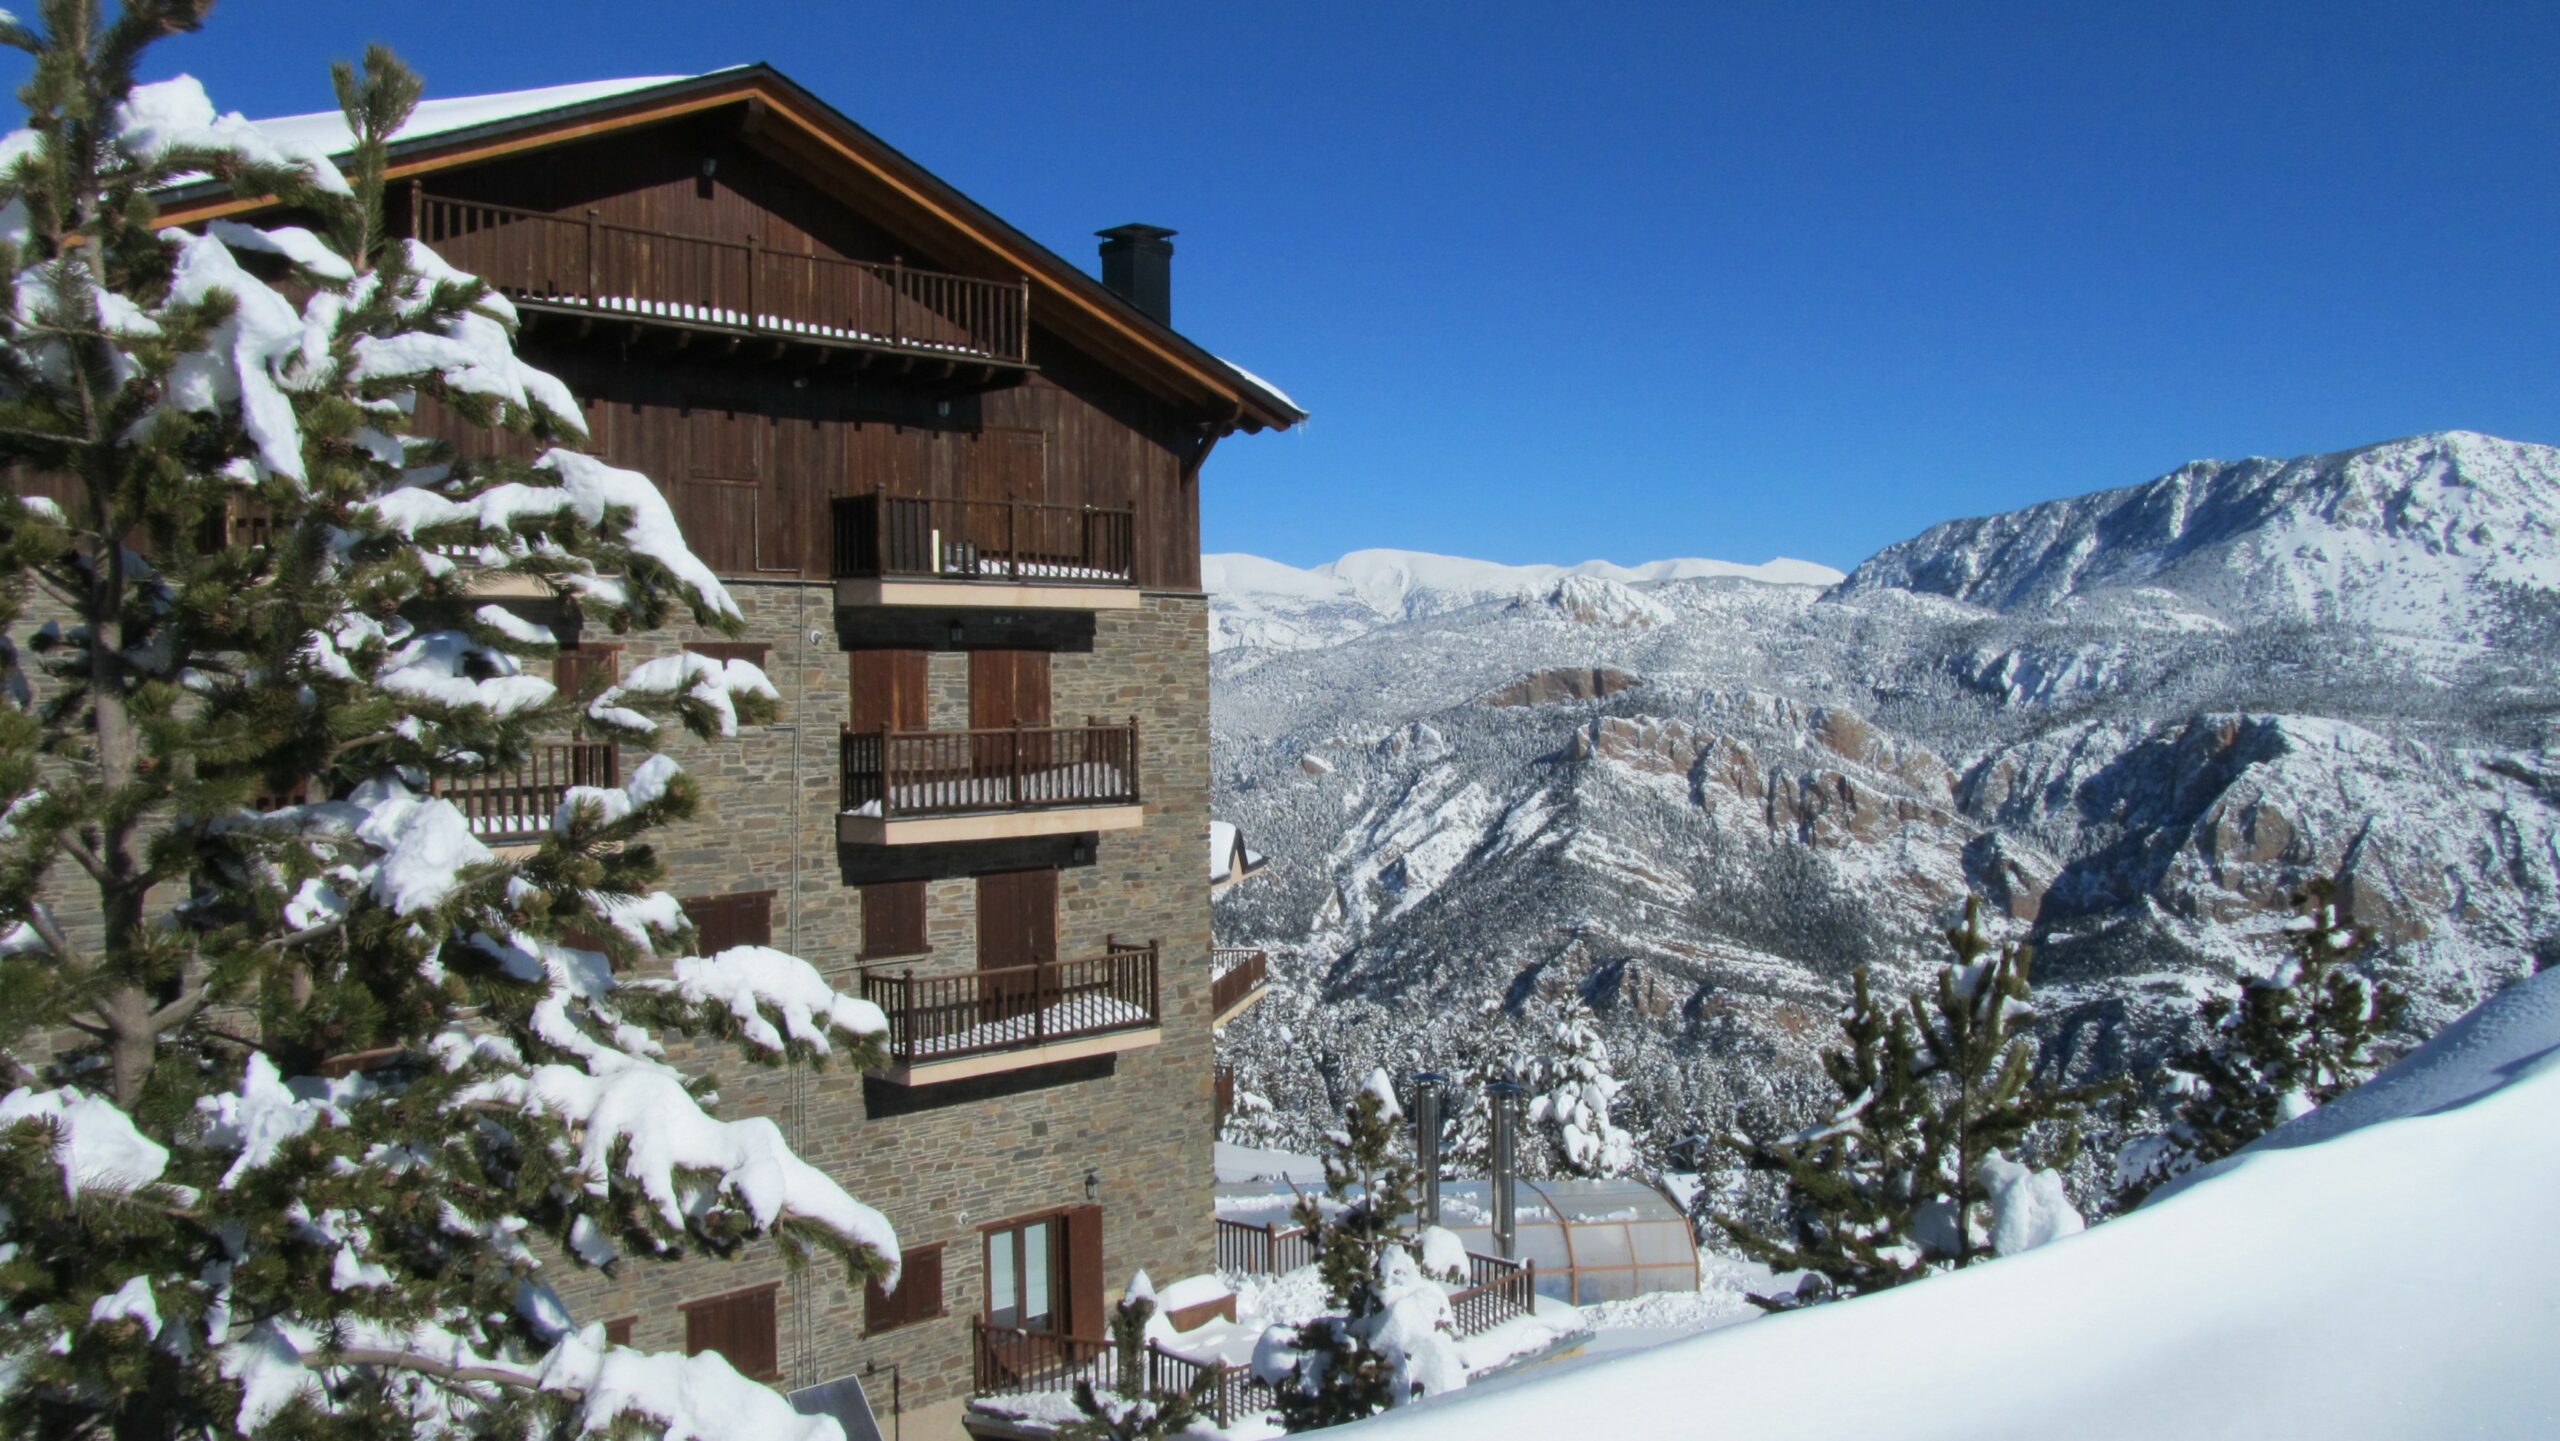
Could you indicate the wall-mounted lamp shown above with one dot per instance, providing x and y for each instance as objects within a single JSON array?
[
  {"x": 955, "y": 634},
  {"x": 1093, "y": 1185},
  {"x": 711, "y": 166}
]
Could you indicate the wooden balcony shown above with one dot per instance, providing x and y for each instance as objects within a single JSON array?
[
  {"x": 1008, "y": 555},
  {"x": 1009, "y": 1363},
  {"x": 246, "y": 523},
  {"x": 929, "y": 787},
  {"x": 515, "y": 806},
  {"x": 972, "y": 1023},
  {"x": 890, "y": 320},
  {"x": 1236, "y": 981}
]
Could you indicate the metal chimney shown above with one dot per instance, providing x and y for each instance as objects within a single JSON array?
[
  {"x": 1426, "y": 1139},
  {"x": 1505, "y": 1092},
  {"x": 1137, "y": 266}
]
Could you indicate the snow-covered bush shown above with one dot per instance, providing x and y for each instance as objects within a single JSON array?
[
  {"x": 2286, "y": 1043},
  {"x": 1385, "y": 1338},
  {"x": 1912, "y": 1169},
  {"x": 1133, "y": 1410},
  {"x": 299, "y": 1082}
]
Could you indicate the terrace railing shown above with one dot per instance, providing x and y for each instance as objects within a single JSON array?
[
  {"x": 586, "y": 263},
  {"x": 998, "y": 540},
  {"x": 896, "y": 775},
  {"x": 1265, "y": 1250},
  {"x": 1496, "y": 1291},
  {"x": 1234, "y": 975},
  {"x": 970, "y": 1013},
  {"x": 1010, "y": 1362},
  {"x": 518, "y": 803}
]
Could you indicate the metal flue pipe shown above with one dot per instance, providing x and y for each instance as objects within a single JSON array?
[
  {"x": 1505, "y": 1092},
  {"x": 1426, "y": 1140}
]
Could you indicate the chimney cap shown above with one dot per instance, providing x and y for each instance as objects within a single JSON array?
[{"x": 1135, "y": 232}]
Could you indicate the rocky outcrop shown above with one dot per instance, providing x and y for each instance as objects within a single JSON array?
[{"x": 1561, "y": 683}]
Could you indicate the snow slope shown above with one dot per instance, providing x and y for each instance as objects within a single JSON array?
[
  {"x": 2392, "y": 1276},
  {"x": 1266, "y": 604}
]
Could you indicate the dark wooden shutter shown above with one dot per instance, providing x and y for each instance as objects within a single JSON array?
[
  {"x": 752, "y": 652},
  {"x": 585, "y": 668},
  {"x": 918, "y": 1297},
  {"x": 617, "y": 1332},
  {"x": 1008, "y": 688},
  {"x": 740, "y": 1326},
  {"x": 719, "y": 922},
  {"x": 1084, "y": 1271},
  {"x": 893, "y": 919},
  {"x": 1017, "y": 919},
  {"x": 888, "y": 690}
]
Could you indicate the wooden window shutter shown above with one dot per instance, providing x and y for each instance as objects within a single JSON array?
[
  {"x": 751, "y": 651},
  {"x": 719, "y": 922},
  {"x": 888, "y": 690},
  {"x": 1008, "y": 688},
  {"x": 918, "y": 1297},
  {"x": 617, "y": 1332},
  {"x": 741, "y": 1327},
  {"x": 1084, "y": 1272},
  {"x": 582, "y": 669},
  {"x": 893, "y": 919}
]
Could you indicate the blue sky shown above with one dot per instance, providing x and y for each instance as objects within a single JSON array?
[{"x": 1725, "y": 280}]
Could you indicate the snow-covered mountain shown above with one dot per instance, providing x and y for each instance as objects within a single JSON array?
[
  {"x": 1704, "y": 801},
  {"x": 1266, "y": 606}
]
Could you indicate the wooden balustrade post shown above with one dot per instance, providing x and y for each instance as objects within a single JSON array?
[
  {"x": 880, "y": 511},
  {"x": 754, "y": 263},
  {"x": 1014, "y": 787},
  {"x": 593, "y": 301},
  {"x": 1155, "y": 975},
  {"x": 417, "y": 209},
  {"x": 1133, "y": 760},
  {"x": 897, "y": 288},
  {"x": 1021, "y": 337}
]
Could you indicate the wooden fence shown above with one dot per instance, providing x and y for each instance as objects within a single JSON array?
[
  {"x": 885, "y": 535},
  {"x": 1234, "y": 975},
  {"x": 590, "y": 264},
  {"x": 1010, "y": 1362},
  {"x": 518, "y": 803},
  {"x": 1264, "y": 1250},
  {"x": 890, "y": 774},
  {"x": 968, "y": 1013}
]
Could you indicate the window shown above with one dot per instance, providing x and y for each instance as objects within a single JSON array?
[
  {"x": 1044, "y": 1273},
  {"x": 740, "y": 1326},
  {"x": 751, "y": 651},
  {"x": 893, "y": 920},
  {"x": 918, "y": 1297},
  {"x": 1022, "y": 1276},
  {"x": 719, "y": 922},
  {"x": 617, "y": 1332}
]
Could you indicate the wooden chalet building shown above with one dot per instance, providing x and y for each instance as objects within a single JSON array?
[{"x": 953, "y": 481}]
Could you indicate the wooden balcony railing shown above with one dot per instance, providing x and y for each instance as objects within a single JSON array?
[
  {"x": 1265, "y": 1250},
  {"x": 895, "y": 775},
  {"x": 972, "y": 1013},
  {"x": 1012, "y": 541},
  {"x": 584, "y": 263},
  {"x": 1234, "y": 975},
  {"x": 1010, "y": 1362},
  {"x": 1496, "y": 1291},
  {"x": 517, "y": 804}
]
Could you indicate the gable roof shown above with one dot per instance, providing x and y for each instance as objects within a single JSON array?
[{"x": 451, "y": 133}]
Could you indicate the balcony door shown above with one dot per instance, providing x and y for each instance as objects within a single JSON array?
[
  {"x": 1018, "y": 941},
  {"x": 1004, "y": 471},
  {"x": 1009, "y": 693},
  {"x": 1044, "y": 1275}
]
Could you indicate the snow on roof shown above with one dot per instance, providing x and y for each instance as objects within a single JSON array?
[
  {"x": 1222, "y": 849},
  {"x": 2389, "y": 1277},
  {"x": 1275, "y": 392},
  {"x": 328, "y": 128}
]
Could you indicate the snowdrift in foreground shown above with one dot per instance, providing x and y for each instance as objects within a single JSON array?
[{"x": 2380, "y": 1268}]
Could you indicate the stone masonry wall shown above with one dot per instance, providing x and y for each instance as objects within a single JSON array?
[{"x": 943, "y": 1173}]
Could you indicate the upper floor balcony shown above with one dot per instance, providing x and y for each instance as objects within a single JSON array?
[
  {"x": 926, "y": 787},
  {"x": 972, "y": 1023},
  {"x": 889, "y": 320},
  {"x": 515, "y": 806},
  {"x": 1237, "y": 979},
  {"x": 983, "y": 554}
]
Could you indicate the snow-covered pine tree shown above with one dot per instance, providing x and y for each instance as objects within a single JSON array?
[
  {"x": 1136, "y": 1411},
  {"x": 298, "y": 1086},
  {"x": 2282, "y": 1045},
  {"x": 1493, "y": 1050},
  {"x": 1570, "y": 1091},
  {"x": 1914, "y": 1169},
  {"x": 1383, "y": 1340}
]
